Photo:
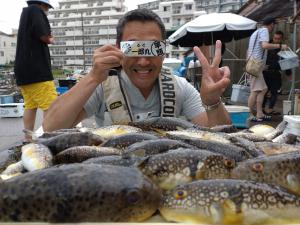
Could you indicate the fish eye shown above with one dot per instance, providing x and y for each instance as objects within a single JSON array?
[
  {"x": 257, "y": 167},
  {"x": 133, "y": 196},
  {"x": 229, "y": 163},
  {"x": 180, "y": 194}
]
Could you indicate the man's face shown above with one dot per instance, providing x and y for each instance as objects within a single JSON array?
[
  {"x": 142, "y": 71},
  {"x": 45, "y": 8},
  {"x": 277, "y": 38},
  {"x": 271, "y": 27}
]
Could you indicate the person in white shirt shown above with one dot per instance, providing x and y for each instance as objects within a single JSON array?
[
  {"x": 142, "y": 87},
  {"x": 258, "y": 46}
]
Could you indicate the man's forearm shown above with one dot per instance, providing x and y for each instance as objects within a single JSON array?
[{"x": 66, "y": 109}]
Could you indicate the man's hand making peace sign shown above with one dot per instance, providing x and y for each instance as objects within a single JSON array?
[
  {"x": 213, "y": 83},
  {"x": 214, "y": 79}
]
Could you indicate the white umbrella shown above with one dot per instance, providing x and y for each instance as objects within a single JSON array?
[{"x": 208, "y": 28}]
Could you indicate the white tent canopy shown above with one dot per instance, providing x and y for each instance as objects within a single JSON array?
[{"x": 212, "y": 23}]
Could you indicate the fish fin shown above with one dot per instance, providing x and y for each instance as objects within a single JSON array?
[
  {"x": 86, "y": 129},
  {"x": 4, "y": 177},
  {"x": 141, "y": 164},
  {"x": 160, "y": 131},
  {"x": 217, "y": 213},
  {"x": 293, "y": 181},
  {"x": 140, "y": 152},
  {"x": 179, "y": 128},
  {"x": 231, "y": 212}
]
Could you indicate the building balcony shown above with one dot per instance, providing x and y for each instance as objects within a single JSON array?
[
  {"x": 107, "y": 41},
  {"x": 74, "y": 52},
  {"x": 109, "y": 22},
  {"x": 74, "y": 62},
  {"x": 103, "y": 41},
  {"x": 83, "y": 9},
  {"x": 74, "y": 43},
  {"x": 104, "y": 31},
  {"x": 74, "y": 33},
  {"x": 112, "y": 41}
]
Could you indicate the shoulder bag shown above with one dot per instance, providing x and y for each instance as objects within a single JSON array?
[{"x": 254, "y": 66}]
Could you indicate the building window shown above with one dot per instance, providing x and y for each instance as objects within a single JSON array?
[
  {"x": 166, "y": 20},
  {"x": 188, "y": 19},
  {"x": 188, "y": 7},
  {"x": 176, "y": 10},
  {"x": 1, "y": 53},
  {"x": 4, "y": 44}
]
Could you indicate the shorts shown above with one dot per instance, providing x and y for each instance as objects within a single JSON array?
[
  {"x": 39, "y": 95},
  {"x": 258, "y": 83}
]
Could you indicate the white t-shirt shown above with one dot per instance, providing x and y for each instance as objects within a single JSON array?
[
  {"x": 261, "y": 35},
  {"x": 188, "y": 101}
]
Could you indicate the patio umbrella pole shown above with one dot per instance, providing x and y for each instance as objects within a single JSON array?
[{"x": 292, "y": 90}]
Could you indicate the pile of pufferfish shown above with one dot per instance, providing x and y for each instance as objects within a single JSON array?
[{"x": 158, "y": 169}]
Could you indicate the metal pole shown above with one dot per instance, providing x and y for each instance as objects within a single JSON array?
[
  {"x": 83, "y": 46},
  {"x": 292, "y": 91}
]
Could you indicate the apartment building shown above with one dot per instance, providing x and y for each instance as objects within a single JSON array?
[
  {"x": 211, "y": 6},
  {"x": 176, "y": 13},
  {"x": 81, "y": 26},
  {"x": 8, "y": 43}
]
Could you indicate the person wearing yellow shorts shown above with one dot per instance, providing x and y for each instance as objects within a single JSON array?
[
  {"x": 32, "y": 63},
  {"x": 37, "y": 95}
]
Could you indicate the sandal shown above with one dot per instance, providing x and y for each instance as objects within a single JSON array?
[
  {"x": 255, "y": 119},
  {"x": 267, "y": 118},
  {"x": 275, "y": 113}
]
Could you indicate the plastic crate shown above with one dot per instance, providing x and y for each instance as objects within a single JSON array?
[
  {"x": 239, "y": 115},
  {"x": 293, "y": 125},
  {"x": 12, "y": 110},
  {"x": 61, "y": 90},
  {"x": 288, "y": 63},
  {"x": 240, "y": 93},
  {"x": 5, "y": 99},
  {"x": 289, "y": 59}
]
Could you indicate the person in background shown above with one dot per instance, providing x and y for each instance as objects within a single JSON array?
[
  {"x": 141, "y": 88},
  {"x": 32, "y": 62},
  {"x": 272, "y": 75},
  {"x": 258, "y": 46}
]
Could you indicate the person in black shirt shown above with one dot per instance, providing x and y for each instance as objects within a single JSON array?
[
  {"x": 272, "y": 75},
  {"x": 32, "y": 63}
]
